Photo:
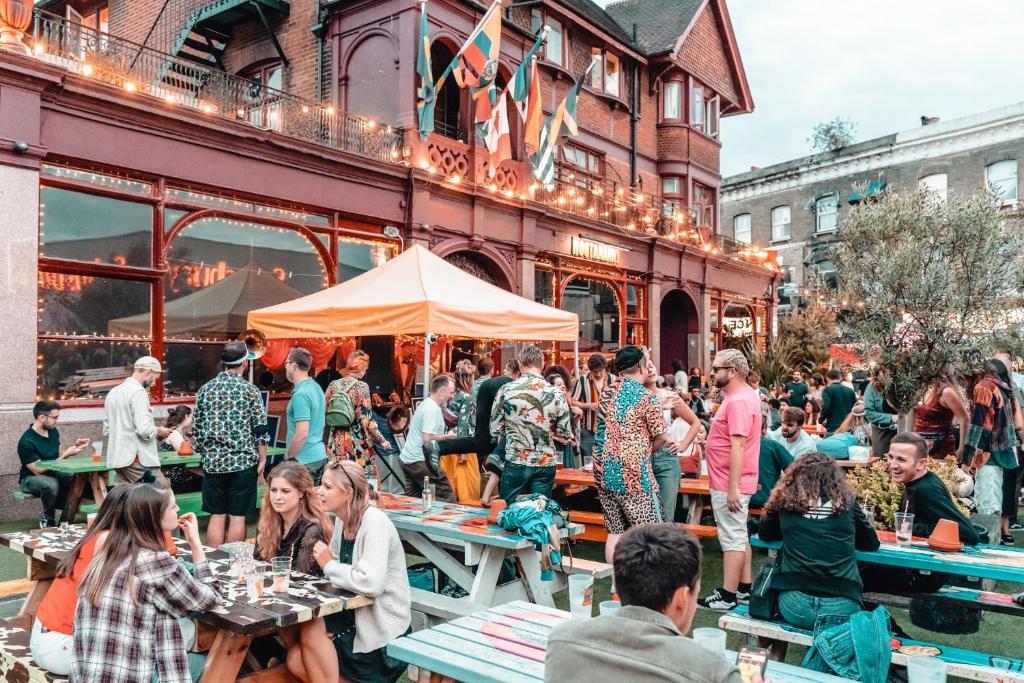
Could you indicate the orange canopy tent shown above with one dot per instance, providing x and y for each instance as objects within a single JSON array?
[{"x": 416, "y": 293}]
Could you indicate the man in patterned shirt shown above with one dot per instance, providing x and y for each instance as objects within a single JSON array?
[
  {"x": 229, "y": 432},
  {"x": 531, "y": 416},
  {"x": 630, "y": 426},
  {"x": 586, "y": 393}
]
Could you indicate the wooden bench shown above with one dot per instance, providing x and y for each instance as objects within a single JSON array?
[
  {"x": 16, "y": 663},
  {"x": 593, "y": 523},
  {"x": 978, "y": 666},
  {"x": 599, "y": 570}
]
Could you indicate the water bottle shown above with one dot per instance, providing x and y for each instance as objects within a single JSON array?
[{"x": 428, "y": 495}]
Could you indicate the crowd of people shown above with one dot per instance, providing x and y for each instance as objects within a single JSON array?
[{"x": 122, "y": 601}]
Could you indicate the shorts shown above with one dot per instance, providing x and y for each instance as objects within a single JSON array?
[
  {"x": 732, "y": 526},
  {"x": 230, "y": 493},
  {"x": 625, "y": 510}
]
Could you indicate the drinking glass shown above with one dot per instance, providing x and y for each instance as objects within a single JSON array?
[
  {"x": 255, "y": 575},
  {"x": 869, "y": 514},
  {"x": 581, "y": 596},
  {"x": 281, "y": 570},
  {"x": 65, "y": 531},
  {"x": 926, "y": 669},
  {"x": 904, "y": 527},
  {"x": 711, "y": 639}
]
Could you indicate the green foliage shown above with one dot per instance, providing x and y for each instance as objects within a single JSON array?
[
  {"x": 773, "y": 364},
  {"x": 928, "y": 283},
  {"x": 874, "y": 486},
  {"x": 808, "y": 334},
  {"x": 832, "y": 135}
]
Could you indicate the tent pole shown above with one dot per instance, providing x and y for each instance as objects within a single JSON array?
[
  {"x": 426, "y": 363},
  {"x": 576, "y": 359}
]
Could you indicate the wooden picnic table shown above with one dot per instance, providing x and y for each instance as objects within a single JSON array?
[
  {"x": 476, "y": 544},
  {"x": 507, "y": 644},
  {"x": 235, "y": 621},
  {"x": 94, "y": 475}
]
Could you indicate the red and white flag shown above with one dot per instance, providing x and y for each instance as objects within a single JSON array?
[{"x": 497, "y": 140}]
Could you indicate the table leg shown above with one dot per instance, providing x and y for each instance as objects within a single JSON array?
[
  {"x": 35, "y": 597},
  {"x": 99, "y": 486},
  {"x": 226, "y": 656},
  {"x": 528, "y": 563},
  {"x": 74, "y": 499},
  {"x": 486, "y": 579}
]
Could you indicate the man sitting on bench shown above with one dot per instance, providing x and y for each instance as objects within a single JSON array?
[
  {"x": 41, "y": 441},
  {"x": 657, "y": 574}
]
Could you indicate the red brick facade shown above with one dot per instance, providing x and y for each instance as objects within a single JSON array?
[{"x": 702, "y": 55}]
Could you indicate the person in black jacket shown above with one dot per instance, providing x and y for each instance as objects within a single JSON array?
[{"x": 813, "y": 511}]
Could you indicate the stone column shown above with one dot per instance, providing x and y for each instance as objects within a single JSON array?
[
  {"x": 654, "y": 322},
  {"x": 705, "y": 329}
]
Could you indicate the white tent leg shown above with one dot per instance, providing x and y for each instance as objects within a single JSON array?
[
  {"x": 426, "y": 364},
  {"x": 576, "y": 359}
]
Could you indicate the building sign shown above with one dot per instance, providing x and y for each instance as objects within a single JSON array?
[{"x": 595, "y": 251}]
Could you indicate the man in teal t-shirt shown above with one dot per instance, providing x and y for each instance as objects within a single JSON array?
[{"x": 306, "y": 412}]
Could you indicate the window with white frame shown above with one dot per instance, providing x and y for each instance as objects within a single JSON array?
[
  {"x": 673, "y": 100},
  {"x": 697, "y": 107},
  {"x": 611, "y": 74},
  {"x": 780, "y": 223},
  {"x": 712, "y": 115},
  {"x": 1001, "y": 178},
  {"x": 934, "y": 183},
  {"x": 826, "y": 213},
  {"x": 554, "y": 51},
  {"x": 670, "y": 186},
  {"x": 741, "y": 228},
  {"x": 671, "y": 194},
  {"x": 702, "y": 204},
  {"x": 597, "y": 73}
]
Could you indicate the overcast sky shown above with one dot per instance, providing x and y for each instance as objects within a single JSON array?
[{"x": 880, "y": 63}]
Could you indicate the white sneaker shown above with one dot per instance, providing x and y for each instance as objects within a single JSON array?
[{"x": 716, "y": 601}]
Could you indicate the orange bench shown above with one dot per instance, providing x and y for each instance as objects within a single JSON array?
[{"x": 593, "y": 527}]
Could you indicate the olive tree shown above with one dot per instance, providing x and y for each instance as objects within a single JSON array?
[{"x": 927, "y": 282}]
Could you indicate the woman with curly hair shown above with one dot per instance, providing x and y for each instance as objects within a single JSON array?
[{"x": 812, "y": 510}]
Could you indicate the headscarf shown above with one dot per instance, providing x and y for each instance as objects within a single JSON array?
[{"x": 357, "y": 363}]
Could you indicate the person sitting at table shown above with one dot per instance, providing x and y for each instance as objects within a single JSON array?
[
  {"x": 365, "y": 556},
  {"x": 791, "y": 433},
  {"x": 657, "y": 575},
  {"x": 41, "y": 441},
  {"x": 772, "y": 461},
  {"x": 179, "y": 421},
  {"x": 813, "y": 511},
  {"x": 134, "y": 592},
  {"x": 292, "y": 520},
  {"x": 53, "y": 628}
]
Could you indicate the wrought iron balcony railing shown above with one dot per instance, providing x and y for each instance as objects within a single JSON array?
[{"x": 207, "y": 90}]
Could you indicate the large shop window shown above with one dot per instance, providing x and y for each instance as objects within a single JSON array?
[
  {"x": 597, "y": 305},
  {"x": 86, "y": 227}
]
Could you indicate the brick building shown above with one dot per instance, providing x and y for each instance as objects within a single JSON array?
[
  {"x": 797, "y": 206},
  {"x": 172, "y": 164}
]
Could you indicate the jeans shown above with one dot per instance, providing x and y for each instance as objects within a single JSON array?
[
  {"x": 416, "y": 472},
  {"x": 667, "y": 473},
  {"x": 988, "y": 490},
  {"x": 518, "y": 480},
  {"x": 802, "y": 610},
  {"x": 1011, "y": 492},
  {"x": 51, "y": 489}
]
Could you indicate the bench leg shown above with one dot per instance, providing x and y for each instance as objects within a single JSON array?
[
  {"x": 776, "y": 648},
  {"x": 98, "y": 486},
  {"x": 35, "y": 597},
  {"x": 226, "y": 656}
]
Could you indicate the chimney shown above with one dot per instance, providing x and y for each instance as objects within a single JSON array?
[
  {"x": 929, "y": 120},
  {"x": 755, "y": 168}
]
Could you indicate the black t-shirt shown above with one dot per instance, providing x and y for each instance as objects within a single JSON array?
[
  {"x": 798, "y": 394},
  {"x": 33, "y": 448}
]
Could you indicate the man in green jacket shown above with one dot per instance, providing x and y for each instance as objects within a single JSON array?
[{"x": 837, "y": 401}]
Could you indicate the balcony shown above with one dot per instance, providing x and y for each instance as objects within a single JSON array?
[{"x": 207, "y": 90}]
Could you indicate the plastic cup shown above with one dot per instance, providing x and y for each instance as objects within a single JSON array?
[
  {"x": 924, "y": 669},
  {"x": 711, "y": 639},
  {"x": 904, "y": 527},
  {"x": 608, "y": 607},
  {"x": 256, "y": 574},
  {"x": 281, "y": 571},
  {"x": 97, "y": 451},
  {"x": 581, "y": 596}
]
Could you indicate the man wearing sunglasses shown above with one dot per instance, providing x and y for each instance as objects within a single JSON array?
[{"x": 41, "y": 441}]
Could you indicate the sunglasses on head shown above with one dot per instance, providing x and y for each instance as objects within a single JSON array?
[{"x": 337, "y": 465}]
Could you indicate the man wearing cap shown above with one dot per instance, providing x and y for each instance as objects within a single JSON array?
[
  {"x": 630, "y": 426},
  {"x": 229, "y": 432},
  {"x": 128, "y": 425},
  {"x": 732, "y": 454}
]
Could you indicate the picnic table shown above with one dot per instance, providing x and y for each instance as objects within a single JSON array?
[
  {"x": 693, "y": 490},
  {"x": 234, "y": 622},
  {"x": 461, "y": 543},
  {"x": 95, "y": 475},
  {"x": 507, "y": 644}
]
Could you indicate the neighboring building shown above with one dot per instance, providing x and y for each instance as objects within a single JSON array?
[
  {"x": 168, "y": 165},
  {"x": 798, "y": 206}
]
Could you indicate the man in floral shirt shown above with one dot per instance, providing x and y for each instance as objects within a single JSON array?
[
  {"x": 531, "y": 416},
  {"x": 630, "y": 426},
  {"x": 229, "y": 432}
]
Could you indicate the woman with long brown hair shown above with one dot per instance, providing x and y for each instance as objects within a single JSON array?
[
  {"x": 292, "y": 521},
  {"x": 813, "y": 511},
  {"x": 365, "y": 556},
  {"x": 134, "y": 592}
]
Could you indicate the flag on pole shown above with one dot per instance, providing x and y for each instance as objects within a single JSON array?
[
  {"x": 534, "y": 118},
  {"x": 560, "y": 125},
  {"x": 519, "y": 86},
  {"x": 476, "y": 65},
  {"x": 498, "y": 140},
  {"x": 426, "y": 93}
]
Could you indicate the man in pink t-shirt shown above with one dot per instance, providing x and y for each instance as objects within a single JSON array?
[{"x": 732, "y": 452}]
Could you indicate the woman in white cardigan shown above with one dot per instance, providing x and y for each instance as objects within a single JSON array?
[{"x": 365, "y": 556}]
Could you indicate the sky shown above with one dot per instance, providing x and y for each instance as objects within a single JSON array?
[{"x": 880, "y": 63}]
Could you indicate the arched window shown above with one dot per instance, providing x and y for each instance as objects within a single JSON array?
[
  {"x": 596, "y": 302},
  {"x": 448, "y": 106}
]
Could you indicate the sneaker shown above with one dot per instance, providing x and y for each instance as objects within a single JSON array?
[
  {"x": 742, "y": 598},
  {"x": 1016, "y": 526},
  {"x": 1007, "y": 540},
  {"x": 717, "y": 601},
  {"x": 45, "y": 522}
]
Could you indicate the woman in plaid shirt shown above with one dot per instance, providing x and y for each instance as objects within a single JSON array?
[{"x": 134, "y": 592}]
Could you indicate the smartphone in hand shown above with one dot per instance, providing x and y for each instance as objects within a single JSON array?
[{"x": 751, "y": 660}]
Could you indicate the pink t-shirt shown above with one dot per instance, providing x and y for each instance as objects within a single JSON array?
[{"x": 739, "y": 415}]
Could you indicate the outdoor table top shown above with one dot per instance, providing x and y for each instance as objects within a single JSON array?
[
  {"x": 83, "y": 464},
  {"x": 308, "y": 597},
  {"x": 507, "y": 644},
  {"x": 982, "y": 561},
  {"x": 458, "y": 522}
]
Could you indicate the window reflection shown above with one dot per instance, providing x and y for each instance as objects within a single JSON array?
[
  {"x": 87, "y": 227},
  {"x": 597, "y": 305}
]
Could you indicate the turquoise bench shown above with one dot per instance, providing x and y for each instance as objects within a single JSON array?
[{"x": 977, "y": 666}]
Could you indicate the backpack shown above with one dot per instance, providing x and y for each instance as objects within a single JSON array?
[{"x": 341, "y": 413}]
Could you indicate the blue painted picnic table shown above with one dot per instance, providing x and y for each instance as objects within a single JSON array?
[
  {"x": 982, "y": 561},
  {"x": 460, "y": 542},
  {"x": 507, "y": 644}
]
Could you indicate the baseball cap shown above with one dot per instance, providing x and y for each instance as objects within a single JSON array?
[
  {"x": 148, "y": 363},
  {"x": 236, "y": 353}
]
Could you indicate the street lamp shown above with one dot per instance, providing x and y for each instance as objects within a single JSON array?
[{"x": 393, "y": 232}]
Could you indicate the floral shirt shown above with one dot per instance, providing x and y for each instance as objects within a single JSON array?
[
  {"x": 531, "y": 413},
  {"x": 357, "y": 441},
  {"x": 629, "y": 419},
  {"x": 229, "y": 424},
  {"x": 464, "y": 406}
]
